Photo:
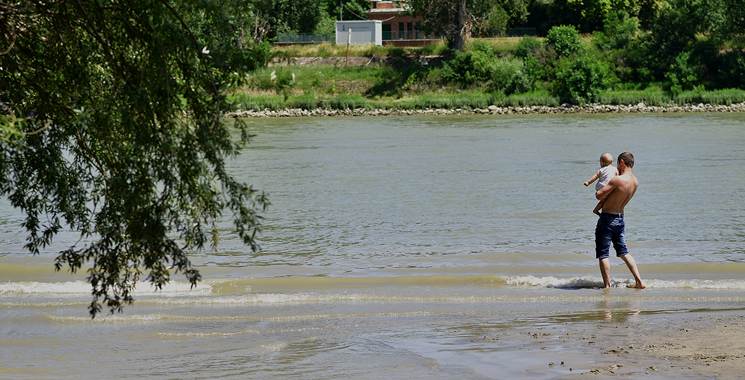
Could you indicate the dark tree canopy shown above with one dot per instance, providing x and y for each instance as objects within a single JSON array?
[
  {"x": 457, "y": 19},
  {"x": 589, "y": 15},
  {"x": 724, "y": 17},
  {"x": 288, "y": 16},
  {"x": 111, "y": 126},
  {"x": 350, "y": 9}
]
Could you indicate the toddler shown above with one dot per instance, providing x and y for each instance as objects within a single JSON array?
[{"x": 603, "y": 175}]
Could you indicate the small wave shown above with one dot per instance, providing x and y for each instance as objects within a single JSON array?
[
  {"x": 293, "y": 290},
  {"x": 202, "y": 335},
  {"x": 312, "y": 297},
  {"x": 274, "y": 346},
  {"x": 596, "y": 282},
  {"x": 33, "y": 287},
  {"x": 562, "y": 283},
  {"x": 82, "y": 288},
  {"x": 148, "y": 318},
  {"x": 289, "y": 298},
  {"x": 698, "y": 284}
]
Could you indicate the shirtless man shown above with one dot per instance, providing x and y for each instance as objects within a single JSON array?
[{"x": 611, "y": 226}]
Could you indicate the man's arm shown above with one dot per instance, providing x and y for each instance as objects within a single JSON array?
[
  {"x": 591, "y": 180},
  {"x": 612, "y": 184}
]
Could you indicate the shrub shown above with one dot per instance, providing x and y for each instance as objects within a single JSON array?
[
  {"x": 564, "y": 39},
  {"x": 547, "y": 59},
  {"x": 481, "y": 46},
  {"x": 526, "y": 45},
  {"x": 732, "y": 70},
  {"x": 468, "y": 67},
  {"x": 581, "y": 81},
  {"x": 682, "y": 75},
  {"x": 507, "y": 75},
  {"x": 673, "y": 32},
  {"x": 618, "y": 31},
  {"x": 533, "y": 68},
  {"x": 449, "y": 72},
  {"x": 326, "y": 25},
  {"x": 510, "y": 77},
  {"x": 258, "y": 55}
]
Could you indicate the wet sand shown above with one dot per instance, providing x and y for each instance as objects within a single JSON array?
[{"x": 699, "y": 344}]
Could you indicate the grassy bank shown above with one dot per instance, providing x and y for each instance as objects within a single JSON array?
[
  {"x": 386, "y": 87},
  {"x": 475, "y": 100},
  {"x": 325, "y": 50}
]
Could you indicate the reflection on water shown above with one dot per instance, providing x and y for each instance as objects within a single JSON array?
[{"x": 619, "y": 311}]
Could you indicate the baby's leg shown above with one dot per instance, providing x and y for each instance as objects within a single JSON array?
[{"x": 599, "y": 206}]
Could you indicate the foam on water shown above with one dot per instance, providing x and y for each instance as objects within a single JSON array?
[
  {"x": 221, "y": 291},
  {"x": 554, "y": 282},
  {"x": 274, "y": 346},
  {"x": 33, "y": 287},
  {"x": 596, "y": 282},
  {"x": 698, "y": 284},
  {"x": 79, "y": 288},
  {"x": 294, "y": 298},
  {"x": 148, "y": 318}
]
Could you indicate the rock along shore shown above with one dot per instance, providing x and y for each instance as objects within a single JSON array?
[{"x": 494, "y": 110}]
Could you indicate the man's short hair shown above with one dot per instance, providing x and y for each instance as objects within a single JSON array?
[{"x": 627, "y": 158}]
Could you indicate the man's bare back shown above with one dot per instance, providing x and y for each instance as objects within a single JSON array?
[{"x": 620, "y": 189}]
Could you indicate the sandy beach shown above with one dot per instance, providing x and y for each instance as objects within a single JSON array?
[{"x": 703, "y": 344}]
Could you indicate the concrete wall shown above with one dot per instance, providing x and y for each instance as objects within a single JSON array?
[{"x": 363, "y": 32}]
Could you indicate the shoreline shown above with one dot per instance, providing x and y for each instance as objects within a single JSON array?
[
  {"x": 491, "y": 110},
  {"x": 694, "y": 344}
]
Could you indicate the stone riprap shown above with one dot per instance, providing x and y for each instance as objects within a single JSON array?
[{"x": 494, "y": 110}]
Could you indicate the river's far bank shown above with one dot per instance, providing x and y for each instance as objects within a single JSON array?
[{"x": 491, "y": 110}]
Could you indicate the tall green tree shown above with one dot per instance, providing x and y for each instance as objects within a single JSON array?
[
  {"x": 735, "y": 17},
  {"x": 456, "y": 19},
  {"x": 346, "y": 9},
  {"x": 288, "y": 16},
  {"x": 233, "y": 33},
  {"x": 673, "y": 32},
  {"x": 112, "y": 127},
  {"x": 589, "y": 15},
  {"x": 333, "y": 10},
  {"x": 723, "y": 18}
]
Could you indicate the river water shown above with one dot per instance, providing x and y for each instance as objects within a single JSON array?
[{"x": 393, "y": 243}]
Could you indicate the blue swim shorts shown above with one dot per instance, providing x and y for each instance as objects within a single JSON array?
[{"x": 610, "y": 228}]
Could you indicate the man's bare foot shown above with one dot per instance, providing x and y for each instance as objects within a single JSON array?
[{"x": 638, "y": 285}]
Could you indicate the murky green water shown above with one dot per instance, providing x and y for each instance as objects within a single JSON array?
[{"x": 392, "y": 242}]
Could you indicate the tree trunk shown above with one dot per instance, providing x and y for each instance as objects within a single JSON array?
[{"x": 459, "y": 42}]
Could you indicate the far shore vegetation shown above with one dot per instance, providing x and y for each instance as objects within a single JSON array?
[
  {"x": 422, "y": 77},
  {"x": 656, "y": 52}
]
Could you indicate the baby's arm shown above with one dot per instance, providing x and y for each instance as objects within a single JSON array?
[{"x": 593, "y": 179}]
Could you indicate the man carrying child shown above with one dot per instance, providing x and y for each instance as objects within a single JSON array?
[{"x": 611, "y": 226}]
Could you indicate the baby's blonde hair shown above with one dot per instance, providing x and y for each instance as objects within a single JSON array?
[{"x": 606, "y": 159}]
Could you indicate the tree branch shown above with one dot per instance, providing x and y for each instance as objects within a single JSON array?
[{"x": 49, "y": 122}]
